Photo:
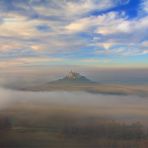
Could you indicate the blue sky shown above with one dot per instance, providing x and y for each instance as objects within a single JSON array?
[{"x": 102, "y": 33}]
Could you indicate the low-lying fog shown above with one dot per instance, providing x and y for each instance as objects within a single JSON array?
[{"x": 124, "y": 108}]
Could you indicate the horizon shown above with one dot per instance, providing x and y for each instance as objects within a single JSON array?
[{"x": 104, "y": 75}]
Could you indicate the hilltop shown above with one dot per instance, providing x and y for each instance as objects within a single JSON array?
[
  {"x": 73, "y": 77},
  {"x": 76, "y": 82}
]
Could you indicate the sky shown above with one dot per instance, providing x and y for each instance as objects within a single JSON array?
[{"x": 94, "y": 33}]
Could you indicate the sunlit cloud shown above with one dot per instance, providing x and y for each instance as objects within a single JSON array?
[
  {"x": 71, "y": 31},
  {"x": 96, "y": 61},
  {"x": 19, "y": 62}
]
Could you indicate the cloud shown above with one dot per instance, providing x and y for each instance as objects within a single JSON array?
[
  {"x": 113, "y": 31},
  {"x": 110, "y": 23},
  {"x": 26, "y": 61},
  {"x": 15, "y": 25},
  {"x": 124, "y": 51},
  {"x": 70, "y": 29},
  {"x": 145, "y": 43},
  {"x": 144, "y": 6},
  {"x": 96, "y": 61},
  {"x": 84, "y": 6}
]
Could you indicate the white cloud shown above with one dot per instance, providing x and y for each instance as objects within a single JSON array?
[
  {"x": 111, "y": 32},
  {"x": 111, "y": 23},
  {"x": 145, "y": 44},
  {"x": 145, "y": 6},
  {"x": 70, "y": 9},
  {"x": 120, "y": 36},
  {"x": 104, "y": 24},
  {"x": 85, "y": 6},
  {"x": 95, "y": 61},
  {"x": 19, "y": 26},
  {"x": 123, "y": 50},
  {"x": 145, "y": 51},
  {"x": 18, "y": 62}
]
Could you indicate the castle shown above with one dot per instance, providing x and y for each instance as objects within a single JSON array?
[{"x": 73, "y": 75}]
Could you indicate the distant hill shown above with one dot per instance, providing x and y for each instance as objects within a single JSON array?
[
  {"x": 73, "y": 77},
  {"x": 77, "y": 82}
]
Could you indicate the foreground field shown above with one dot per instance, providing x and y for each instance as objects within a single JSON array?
[{"x": 36, "y": 126}]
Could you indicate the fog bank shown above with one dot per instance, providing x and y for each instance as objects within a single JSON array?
[{"x": 126, "y": 108}]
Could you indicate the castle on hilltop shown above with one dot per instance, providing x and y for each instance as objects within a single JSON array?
[
  {"x": 73, "y": 75},
  {"x": 73, "y": 78}
]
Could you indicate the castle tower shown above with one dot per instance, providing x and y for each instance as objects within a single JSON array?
[{"x": 73, "y": 75}]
